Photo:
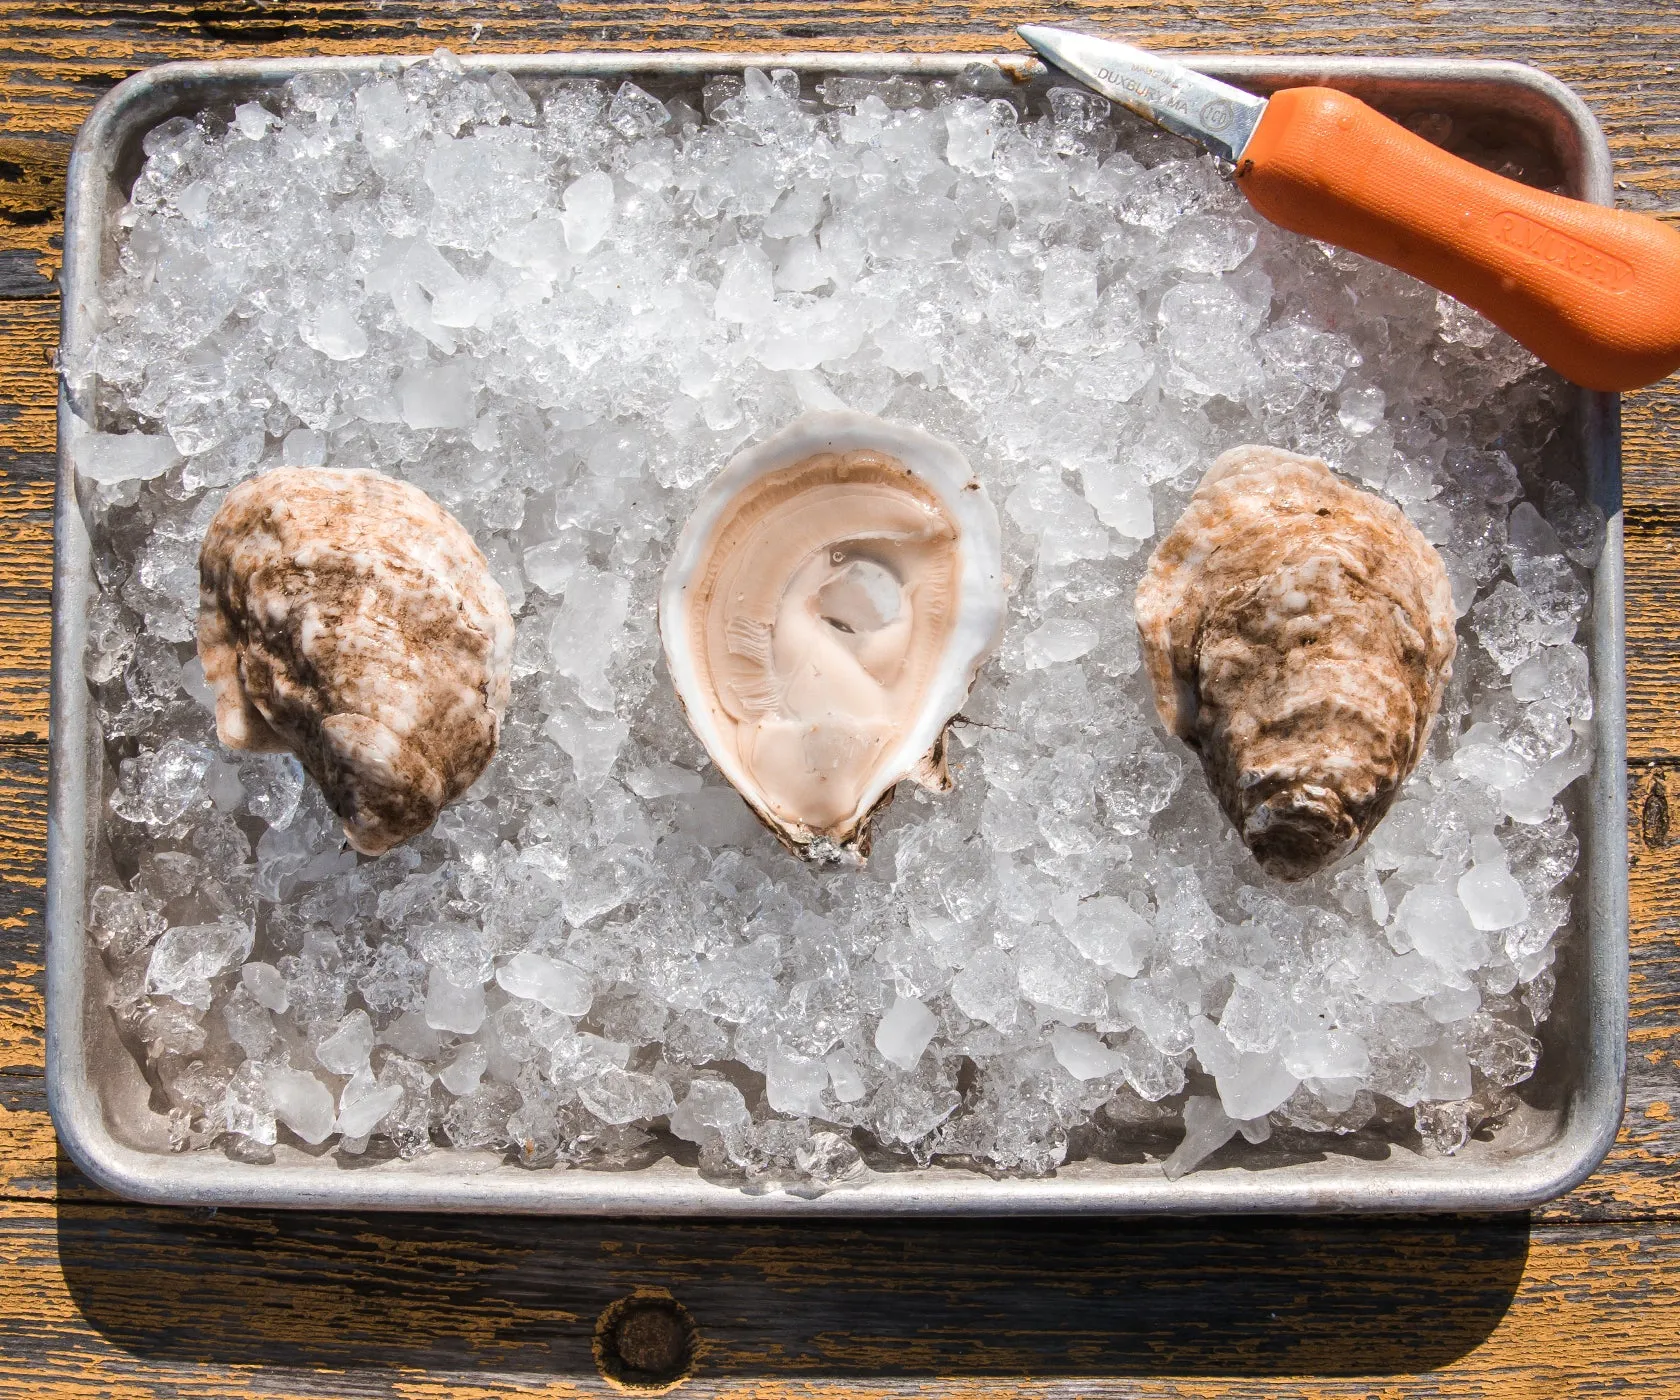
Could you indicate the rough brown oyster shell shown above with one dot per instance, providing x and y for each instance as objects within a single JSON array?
[
  {"x": 1299, "y": 633},
  {"x": 348, "y": 617}
]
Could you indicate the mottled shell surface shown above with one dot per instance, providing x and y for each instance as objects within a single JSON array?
[
  {"x": 823, "y": 615},
  {"x": 1299, "y": 633},
  {"x": 346, "y": 616}
]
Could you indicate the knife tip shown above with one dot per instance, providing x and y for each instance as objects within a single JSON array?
[{"x": 1048, "y": 40}]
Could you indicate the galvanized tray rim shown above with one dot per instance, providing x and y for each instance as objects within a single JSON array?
[{"x": 450, "y": 1181}]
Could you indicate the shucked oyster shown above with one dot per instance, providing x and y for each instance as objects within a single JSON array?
[
  {"x": 1299, "y": 633},
  {"x": 824, "y": 613},
  {"x": 348, "y": 617}
]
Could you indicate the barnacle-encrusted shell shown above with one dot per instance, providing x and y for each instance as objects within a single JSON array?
[
  {"x": 348, "y": 617},
  {"x": 1299, "y": 633},
  {"x": 823, "y": 615}
]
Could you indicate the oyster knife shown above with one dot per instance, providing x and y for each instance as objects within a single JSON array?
[{"x": 1592, "y": 291}]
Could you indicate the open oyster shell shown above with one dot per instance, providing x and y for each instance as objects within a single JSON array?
[
  {"x": 823, "y": 615},
  {"x": 348, "y": 617},
  {"x": 1299, "y": 633}
]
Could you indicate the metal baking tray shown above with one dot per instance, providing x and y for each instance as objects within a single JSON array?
[{"x": 101, "y": 1103}]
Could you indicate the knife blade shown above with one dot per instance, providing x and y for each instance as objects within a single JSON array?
[
  {"x": 1592, "y": 291},
  {"x": 1188, "y": 103}
]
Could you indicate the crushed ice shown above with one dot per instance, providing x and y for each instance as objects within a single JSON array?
[{"x": 559, "y": 309}]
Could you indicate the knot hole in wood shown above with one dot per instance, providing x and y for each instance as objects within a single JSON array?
[{"x": 646, "y": 1342}]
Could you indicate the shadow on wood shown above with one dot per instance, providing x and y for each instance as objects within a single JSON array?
[{"x": 509, "y": 1296}]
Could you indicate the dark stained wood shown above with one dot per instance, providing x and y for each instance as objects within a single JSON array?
[
  {"x": 329, "y": 1305},
  {"x": 103, "y": 1299}
]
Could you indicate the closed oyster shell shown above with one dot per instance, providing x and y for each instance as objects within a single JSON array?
[
  {"x": 1299, "y": 633},
  {"x": 348, "y": 617},
  {"x": 823, "y": 615}
]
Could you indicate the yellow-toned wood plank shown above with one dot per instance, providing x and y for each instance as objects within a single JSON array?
[
  {"x": 28, "y": 385},
  {"x": 29, "y": 1165},
  {"x": 58, "y": 60},
  {"x": 25, "y": 641},
  {"x": 1639, "y": 1179},
  {"x": 118, "y": 1301},
  {"x": 1651, "y": 493},
  {"x": 28, "y": 392},
  {"x": 31, "y": 215}
]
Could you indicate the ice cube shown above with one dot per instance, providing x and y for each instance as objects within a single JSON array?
[
  {"x": 1110, "y": 932},
  {"x": 253, "y": 120},
  {"x": 452, "y": 1007},
  {"x": 364, "y": 1102},
  {"x": 111, "y": 458},
  {"x": 636, "y": 114},
  {"x": 1438, "y": 925},
  {"x": 794, "y": 1083},
  {"x": 1082, "y": 1055},
  {"x": 557, "y": 985},
  {"x": 747, "y": 290},
  {"x": 336, "y": 331},
  {"x": 843, "y": 1077},
  {"x": 904, "y": 1032},
  {"x": 185, "y": 957},
  {"x": 617, "y": 1095},
  {"x": 437, "y": 396},
  {"x": 588, "y": 211},
  {"x": 300, "y": 1101},
  {"x": 582, "y": 636},
  {"x": 1207, "y": 1128},
  {"x": 712, "y": 1107},
  {"x": 1491, "y": 898},
  {"x": 462, "y": 1074},
  {"x": 1120, "y": 497},
  {"x": 347, "y": 1049},
  {"x": 1359, "y": 409},
  {"x": 1057, "y": 640},
  {"x": 303, "y": 447},
  {"x": 265, "y": 984}
]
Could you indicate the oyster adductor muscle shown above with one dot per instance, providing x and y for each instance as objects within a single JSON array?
[
  {"x": 1299, "y": 633},
  {"x": 823, "y": 615},
  {"x": 346, "y": 616}
]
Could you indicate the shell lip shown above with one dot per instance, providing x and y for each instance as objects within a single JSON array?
[
  {"x": 975, "y": 631},
  {"x": 1297, "y": 829}
]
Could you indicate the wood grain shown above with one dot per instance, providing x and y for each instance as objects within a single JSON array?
[
  {"x": 31, "y": 204},
  {"x": 28, "y": 337},
  {"x": 129, "y": 1301},
  {"x": 101, "y": 1299}
]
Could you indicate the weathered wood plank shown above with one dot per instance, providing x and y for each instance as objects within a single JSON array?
[
  {"x": 31, "y": 215},
  {"x": 1650, "y": 447},
  {"x": 1638, "y": 1179},
  {"x": 28, "y": 387},
  {"x": 28, "y": 390},
  {"x": 115, "y": 1301},
  {"x": 28, "y": 1149},
  {"x": 58, "y": 59}
]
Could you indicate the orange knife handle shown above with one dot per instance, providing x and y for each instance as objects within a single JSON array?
[{"x": 1594, "y": 292}]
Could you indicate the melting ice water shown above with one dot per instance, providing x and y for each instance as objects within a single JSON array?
[{"x": 559, "y": 311}]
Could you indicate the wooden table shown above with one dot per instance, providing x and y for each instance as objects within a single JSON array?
[{"x": 99, "y": 1298}]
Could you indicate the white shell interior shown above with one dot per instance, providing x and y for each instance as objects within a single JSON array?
[{"x": 974, "y": 628}]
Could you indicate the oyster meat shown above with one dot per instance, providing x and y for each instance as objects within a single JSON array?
[
  {"x": 1299, "y": 633},
  {"x": 823, "y": 615},
  {"x": 346, "y": 616}
]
